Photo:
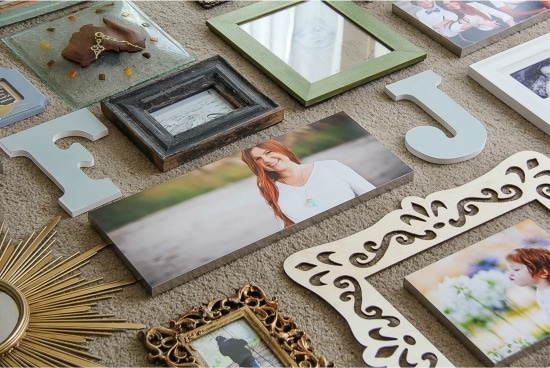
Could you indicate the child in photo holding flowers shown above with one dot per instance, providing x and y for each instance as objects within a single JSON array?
[{"x": 530, "y": 266}]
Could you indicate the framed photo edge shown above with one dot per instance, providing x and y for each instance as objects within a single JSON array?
[
  {"x": 32, "y": 102},
  {"x": 35, "y": 9},
  {"x": 156, "y": 287},
  {"x": 440, "y": 316},
  {"x": 278, "y": 331},
  {"x": 487, "y": 74}
]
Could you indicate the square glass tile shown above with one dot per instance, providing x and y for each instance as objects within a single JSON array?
[{"x": 40, "y": 48}]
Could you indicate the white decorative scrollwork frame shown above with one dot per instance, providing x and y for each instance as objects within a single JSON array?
[{"x": 338, "y": 271}]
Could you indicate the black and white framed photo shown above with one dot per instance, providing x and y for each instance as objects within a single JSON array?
[{"x": 520, "y": 77}]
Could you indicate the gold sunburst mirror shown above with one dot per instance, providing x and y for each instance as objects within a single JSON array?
[{"x": 47, "y": 311}]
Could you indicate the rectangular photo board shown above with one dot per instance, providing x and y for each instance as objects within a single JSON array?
[
  {"x": 492, "y": 294},
  {"x": 184, "y": 227},
  {"x": 466, "y": 26}
]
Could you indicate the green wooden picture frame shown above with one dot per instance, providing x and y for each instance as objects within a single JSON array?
[{"x": 402, "y": 54}]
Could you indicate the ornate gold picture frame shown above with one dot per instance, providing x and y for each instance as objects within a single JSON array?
[{"x": 246, "y": 329}]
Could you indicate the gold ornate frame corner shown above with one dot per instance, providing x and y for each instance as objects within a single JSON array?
[{"x": 173, "y": 346}]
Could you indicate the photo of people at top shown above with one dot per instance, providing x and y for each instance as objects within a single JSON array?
[{"x": 466, "y": 22}]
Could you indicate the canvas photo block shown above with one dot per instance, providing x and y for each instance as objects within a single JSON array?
[
  {"x": 191, "y": 224},
  {"x": 466, "y": 26},
  {"x": 494, "y": 295}
]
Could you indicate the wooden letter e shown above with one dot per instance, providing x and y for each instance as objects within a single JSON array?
[
  {"x": 430, "y": 143},
  {"x": 81, "y": 193}
]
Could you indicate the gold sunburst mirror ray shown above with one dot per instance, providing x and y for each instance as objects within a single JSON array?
[{"x": 47, "y": 309}]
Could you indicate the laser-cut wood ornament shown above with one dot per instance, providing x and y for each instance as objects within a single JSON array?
[{"x": 338, "y": 271}]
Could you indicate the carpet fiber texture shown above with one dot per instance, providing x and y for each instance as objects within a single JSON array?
[{"x": 28, "y": 198}]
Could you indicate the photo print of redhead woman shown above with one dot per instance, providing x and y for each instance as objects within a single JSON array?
[{"x": 188, "y": 225}]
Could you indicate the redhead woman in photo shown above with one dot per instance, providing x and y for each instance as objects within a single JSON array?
[{"x": 297, "y": 191}]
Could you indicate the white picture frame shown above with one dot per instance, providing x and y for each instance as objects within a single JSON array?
[{"x": 495, "y": 74}]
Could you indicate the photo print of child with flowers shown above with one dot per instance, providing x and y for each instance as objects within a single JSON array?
[
  {"x": 494, "y": 294},
  {"x": 530, "y": 266}
]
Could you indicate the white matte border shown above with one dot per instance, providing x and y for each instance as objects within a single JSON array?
[{"x": 494, "y": 72}]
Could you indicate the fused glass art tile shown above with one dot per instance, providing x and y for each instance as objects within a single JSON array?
[{"x": 40, "y": 48}]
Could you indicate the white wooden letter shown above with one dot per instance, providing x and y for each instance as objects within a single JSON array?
[
  {"x": 81, "y": 193},
  {"x": 429, "y": 143}
]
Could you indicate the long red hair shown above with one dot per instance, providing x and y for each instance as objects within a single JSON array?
[
  {"x": 537, "y": 261},
  {"x": 266, "y": 179}
]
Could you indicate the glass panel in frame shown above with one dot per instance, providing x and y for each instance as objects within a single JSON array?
[
  {"x": 40, "y": 47},
  {"x": 345, "y": 46}
]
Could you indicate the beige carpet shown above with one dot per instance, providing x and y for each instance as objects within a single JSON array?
[{"x": 28, "y": 199}]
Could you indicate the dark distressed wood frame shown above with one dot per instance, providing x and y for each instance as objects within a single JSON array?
[{"x": 131, "y": 111}]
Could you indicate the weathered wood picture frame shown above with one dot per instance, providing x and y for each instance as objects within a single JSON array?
[
  {"x": 276, "y": 334},
  {"x": 401, "y": 53},
  {"x": 160, "y": 118}
]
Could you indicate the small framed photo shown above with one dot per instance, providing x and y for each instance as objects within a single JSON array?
[
  {"x": 19, "y": 99},
  {"x": 193, "y": 223},
  {"x": 188, "y": 113},
  {"x": 244, "y": 330},
  {"x": 520, "y": 77},
  {"x": 466, "y": 26},
  {"x": 494, "y": 295},
  {"x": 315, "y": 49}
]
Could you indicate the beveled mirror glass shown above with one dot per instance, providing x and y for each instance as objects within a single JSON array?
[
  {"x": 14, "y": 316},
  {"x": 10, "y": 315},
  {"x": 314, "y": 39}
]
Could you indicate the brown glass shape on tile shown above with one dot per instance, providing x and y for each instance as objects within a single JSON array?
[{"x": 115, "y": 37}]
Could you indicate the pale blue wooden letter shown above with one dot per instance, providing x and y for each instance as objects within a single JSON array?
[
  {"x": 430, "y": 143},
  {"x": 81, "y": 193}
]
